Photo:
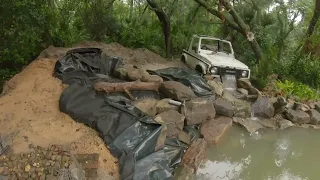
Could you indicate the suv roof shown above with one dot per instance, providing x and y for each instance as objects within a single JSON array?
[{"x": 211, "y": 37}]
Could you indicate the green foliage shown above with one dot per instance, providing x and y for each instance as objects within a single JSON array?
[
  {"x": 28, "y": 27},
  {"x": 297, "y": 89}
]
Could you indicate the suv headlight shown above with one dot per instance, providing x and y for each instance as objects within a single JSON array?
[
  {"x": 244, "y": 73},
  {"x": 214, "y": 70}
]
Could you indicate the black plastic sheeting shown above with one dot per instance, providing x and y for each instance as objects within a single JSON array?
[
  {"x": 188, "y": 77},
  {"x": 130, "y": 135}
]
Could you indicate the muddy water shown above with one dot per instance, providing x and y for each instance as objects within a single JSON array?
[{"x": 291, "y": 154}]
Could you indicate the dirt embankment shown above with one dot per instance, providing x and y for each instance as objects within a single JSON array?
[{"x": 29, "y": 105}]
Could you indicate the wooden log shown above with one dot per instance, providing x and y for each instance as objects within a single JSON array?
[{"x": 127, "y": 86}]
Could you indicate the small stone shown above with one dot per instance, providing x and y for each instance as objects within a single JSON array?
[
  {"x": 33, "y": 175},
  {"x": 47, "y": 163},
  {"x": 151, "y": 78},
  {"x": 48, "y": 154},
  {"x": 1, "y": 169},
  {"x": 58, "y": 158},
  {"x": 13, "y": 158},
  {"x": 53, "y": 157},
  {"x": 27, "y": 168}
]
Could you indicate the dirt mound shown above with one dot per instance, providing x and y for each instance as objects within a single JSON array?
[
  {"x": 131, "y": 56},
  {"x": 29, "y": 114}
]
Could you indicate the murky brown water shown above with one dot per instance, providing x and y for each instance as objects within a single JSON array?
[{"x": 291, "y": 154}]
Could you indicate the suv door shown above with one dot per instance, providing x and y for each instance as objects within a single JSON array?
[{"x": 194, "y": 46}]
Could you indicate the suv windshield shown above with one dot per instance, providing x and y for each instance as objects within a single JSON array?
[{"x": 215, "y": 46}]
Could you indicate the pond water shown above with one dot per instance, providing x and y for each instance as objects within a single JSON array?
[{"x": 290, "y": 154}]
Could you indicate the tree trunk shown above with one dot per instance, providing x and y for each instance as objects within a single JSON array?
[
  {"x": 315, "y": 18},
  {"x": 244, "y": 29},
  {"x": 165, "y": 23},
  {"x": 126, "y": 87}
]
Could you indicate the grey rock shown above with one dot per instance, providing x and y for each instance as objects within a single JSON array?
[
  {"x": 290, "y": 104},
  {"x": 213, "y": 129},
  {"x": 317, "y": 106},
  {"x": 263, "y": 108},
  {"x": 250, "y": 125},
  {"x": 243, "y": 91},
  {"x": 242, "y": 111},
  {"x": 163, "y": 105},
  {"x": 173, "y": 120},
  {"x": 268, "y": 123},
  {"x": 246, "y": 84},
  {"x": 217, "y": 86},
  {"x": 223, "y": 107},
  {"x": 198, "y": 110},
  {"x": 298, "y": 116},
  {"x": 314, "y": 117},
  {"x": 176, "y": 91},
  {"x": 53, "y": 157},
  {"x": 195, "y": 154},
  {"x": 283, "y": 124},
  {"x": 147, "y": 106}
]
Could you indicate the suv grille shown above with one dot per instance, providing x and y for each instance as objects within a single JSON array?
[{"x": 226, "y": 71}]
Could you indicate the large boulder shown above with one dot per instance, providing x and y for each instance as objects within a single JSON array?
[
  {"x": 213, "y": 129},
  {"x": 314, "y": 117},
  {"x": 317, "y": 106},
  {"x": 198, "y": 110},
  {"x": 246, "y": 84},
  {"x": 163, "y": 105},
  {"x": 283, "y": 124},
  {"x": 217, "y": 86},
  {"x": 298, "y": 116},
  {"x": 176, "y": 91},
  {"x": 263, "y": 108},
  {"x": 147, "y": 106},
  {"x": 223, "y": 107},
  {"x": 173, "y": 120},
  {"x": 195, "y": 154},
  {"x": 250, "y": 125}
]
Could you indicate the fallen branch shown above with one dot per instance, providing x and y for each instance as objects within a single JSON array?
[{"x": 126, "y": 87}]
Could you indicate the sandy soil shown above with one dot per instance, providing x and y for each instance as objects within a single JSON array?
[{"x": 29, "y": 111}]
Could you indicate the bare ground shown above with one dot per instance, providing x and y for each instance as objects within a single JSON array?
[{"x": 29, "y": 106}]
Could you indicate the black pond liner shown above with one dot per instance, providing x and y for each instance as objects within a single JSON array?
[{"x": 129, "y": 134}]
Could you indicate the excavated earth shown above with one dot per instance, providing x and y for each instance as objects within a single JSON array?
[{"x": 29, "y": 107}]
